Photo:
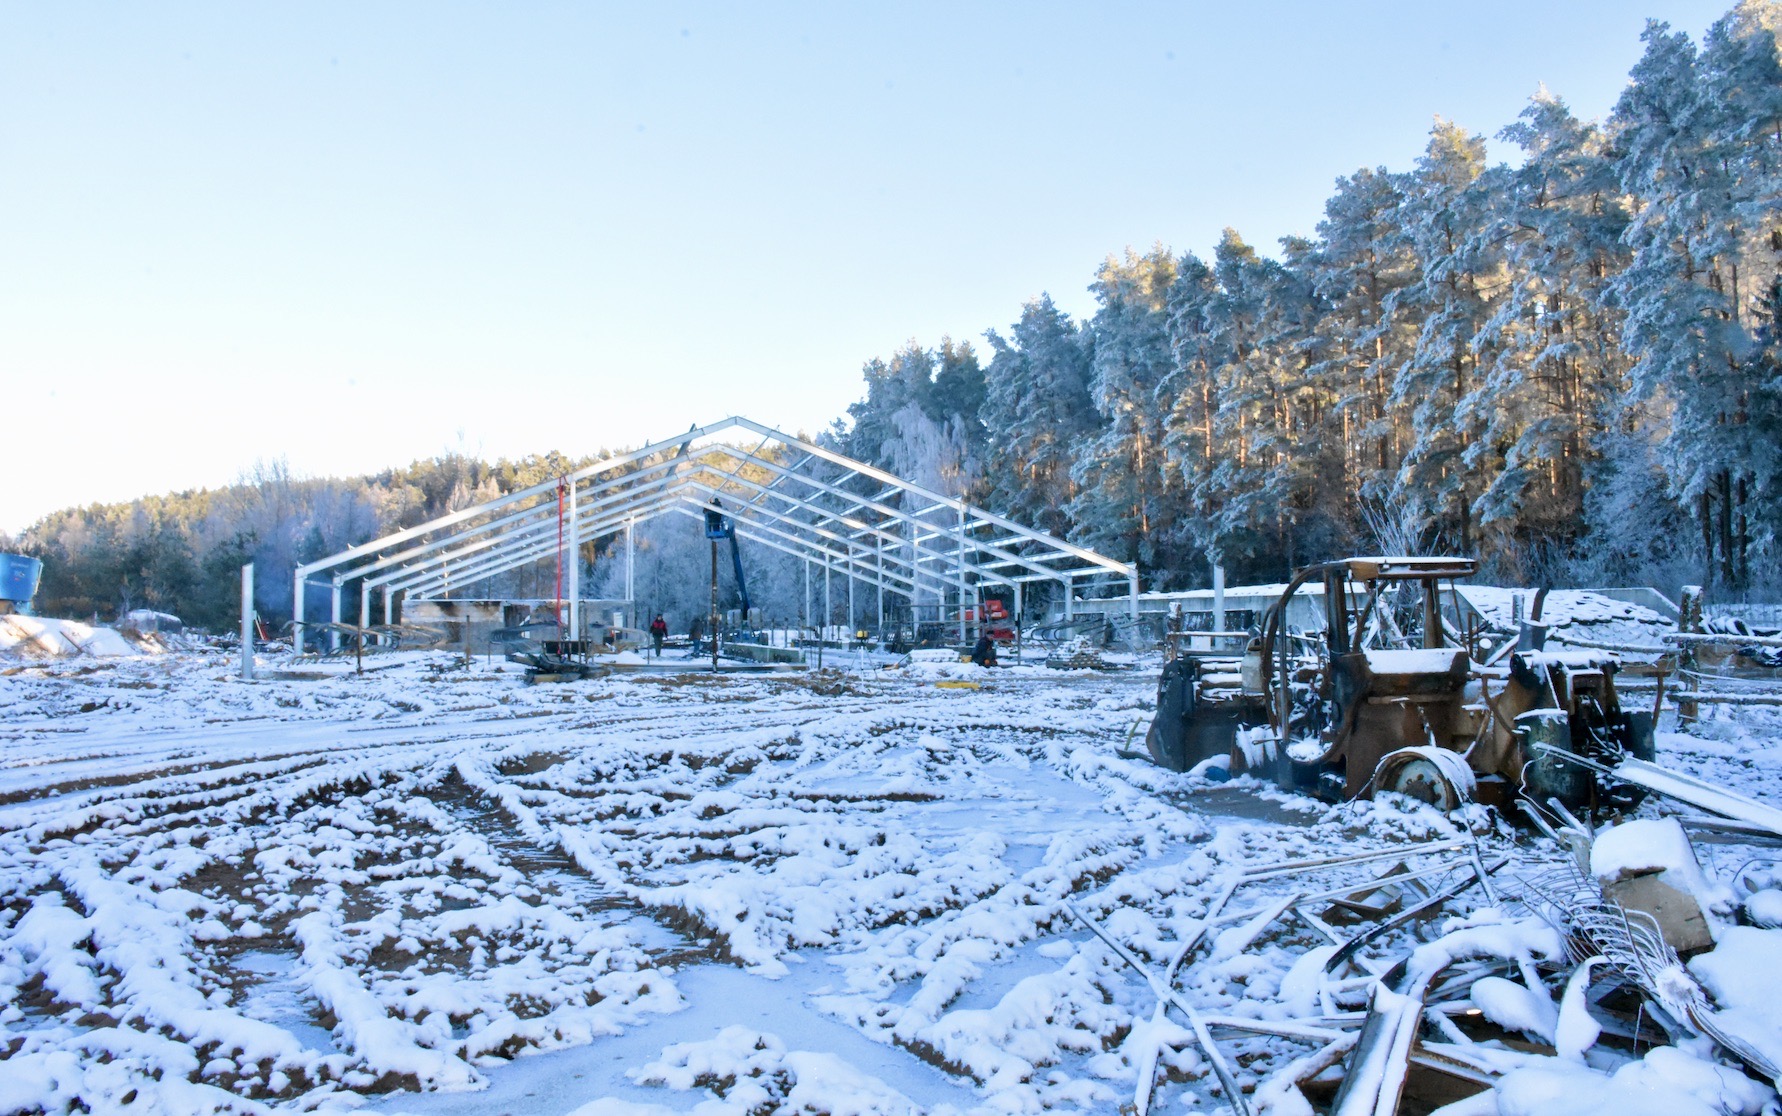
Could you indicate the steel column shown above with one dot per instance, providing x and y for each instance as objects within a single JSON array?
[
  {"x": 247, "y": 622},
  {"x": 297, "y": 583},
  {"x": 575, "y": 569},
  {"x": 1218, "y": 597},
  {"x": 961, "y": 574}
]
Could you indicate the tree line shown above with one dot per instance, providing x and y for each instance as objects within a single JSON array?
[{"x": 1569, "y": 366}]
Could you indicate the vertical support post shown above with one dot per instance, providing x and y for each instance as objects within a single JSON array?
[
  {"x": 1218, "y": 597},
  {"x": 1689, "y": 620},
  {"x": 1069, "y": 605},
  {"x": 364, "y": 605},
  {"x": 297, "y": 613},
  {"x": 852, "y": 616},
  {"x": 1132, "y": 606},
  {"x": 909, "y": 550},
  {"x": 575, "y": 569},
  {"x": 631, "y": 571},
  {"x": 714, "y": 616},
  {"x": 388, "y": 618},
  {"x": 557, "y": 616},
  {"x": 334, "y": 615},
  {"x": 807, "y": 593},
  {"x": 1020, "y": 617},
  {"x": 879, "y": 556},
  {"x": 962, "y": 636},
  {"x": 828, "y": 603},
  {"x": 247, "y": 622}
]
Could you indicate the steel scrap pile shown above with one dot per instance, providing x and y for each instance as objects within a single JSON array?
[{"x": 1613, "y": 974}]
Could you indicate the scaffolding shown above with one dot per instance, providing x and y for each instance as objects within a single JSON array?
[{"x": 844, "y": 516}]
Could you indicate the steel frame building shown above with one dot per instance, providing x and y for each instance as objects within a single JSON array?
[{"x": 783, "y": 492}]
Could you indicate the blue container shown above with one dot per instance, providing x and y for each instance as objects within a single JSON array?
[{"x": 18, "y": 577}]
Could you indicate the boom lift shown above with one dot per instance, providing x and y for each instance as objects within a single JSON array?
[{"x": 720, "y": 526}]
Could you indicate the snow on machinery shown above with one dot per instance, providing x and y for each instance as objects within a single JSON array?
[
  {"x": 993, "y": 617},
  {"x": 1389, "y": 696}
]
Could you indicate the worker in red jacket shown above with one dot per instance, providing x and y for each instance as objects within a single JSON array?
[{"x": 658, "y": 633}]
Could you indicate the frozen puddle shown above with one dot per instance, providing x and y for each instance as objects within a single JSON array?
[
  {"x": 719, "y": 996},
  {"x": 274, "y": 996}
]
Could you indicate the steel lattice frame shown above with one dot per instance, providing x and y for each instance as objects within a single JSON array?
[{"x": 785, "y": 493}]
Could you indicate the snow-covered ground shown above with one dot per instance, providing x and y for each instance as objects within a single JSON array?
[{"x": 431, "y": 888}]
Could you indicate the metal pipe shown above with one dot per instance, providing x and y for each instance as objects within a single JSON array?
[
  {"x": 297, "y": 583},
  {"x": 575, "y": 569},
  {"x": 1218, "y": 597},
  {"x": 1010, "y": 557},
  {"x": 862, "y": 468},
  {"x": 542, "y": 488},
  {"x": 247, "y": 622},
  {"x": 962, "y": 574}
]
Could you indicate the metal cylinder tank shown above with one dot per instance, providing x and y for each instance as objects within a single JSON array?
[{"x": 18, "y": 581}]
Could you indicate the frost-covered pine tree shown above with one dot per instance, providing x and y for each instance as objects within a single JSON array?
[
  {"x": 1700, "y": 133},
  {"x": 1125, "y": 504},
  {"x": 1444, "y": 211},
  {"x": 1036, "y": 408},
  {"x": 1188, "y": 394},
  {"x": 1555, "y": 374},
  {"x": 1356, "y": 267}
]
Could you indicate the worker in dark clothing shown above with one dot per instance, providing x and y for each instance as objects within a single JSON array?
[
  {"x": 658, "y": 633},
  {"x": 984, "y": 654}
]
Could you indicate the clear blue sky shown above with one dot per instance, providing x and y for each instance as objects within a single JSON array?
[{"x": 351, "y": 235}]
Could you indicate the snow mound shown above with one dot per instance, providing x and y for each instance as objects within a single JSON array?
[
  {"x": 1744, "y": 975},
  {"x": 39, "y": 637},
  {"x": 754, "y": 1072},
  {"x": 1666, "y": 1082},
  {"x": 1644, "y": 845}
]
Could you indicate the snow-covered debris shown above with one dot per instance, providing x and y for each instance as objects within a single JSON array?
[
  {"x": 1516, "y": 1007},
  {"x": 1743, "y": 973},
  {"x": 1572, "y": 617},
  {"x": 753, "y": 1072},
  {"x": 42, "y": 637},
  {"x": 149, "y": 620},
  {"x": 1648, "y": 865},
  {"x": 1666, "y": 1082}
]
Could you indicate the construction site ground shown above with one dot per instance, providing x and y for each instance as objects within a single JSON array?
[{"x": 432, "y": 888}]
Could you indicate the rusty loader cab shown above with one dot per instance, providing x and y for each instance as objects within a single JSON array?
[
  {"x": 1389, "y": 697},
  {"x": 1387, "y": 682}
]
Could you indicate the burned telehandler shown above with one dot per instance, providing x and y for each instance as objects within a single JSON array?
[{"x": 1389, "y": 695}]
